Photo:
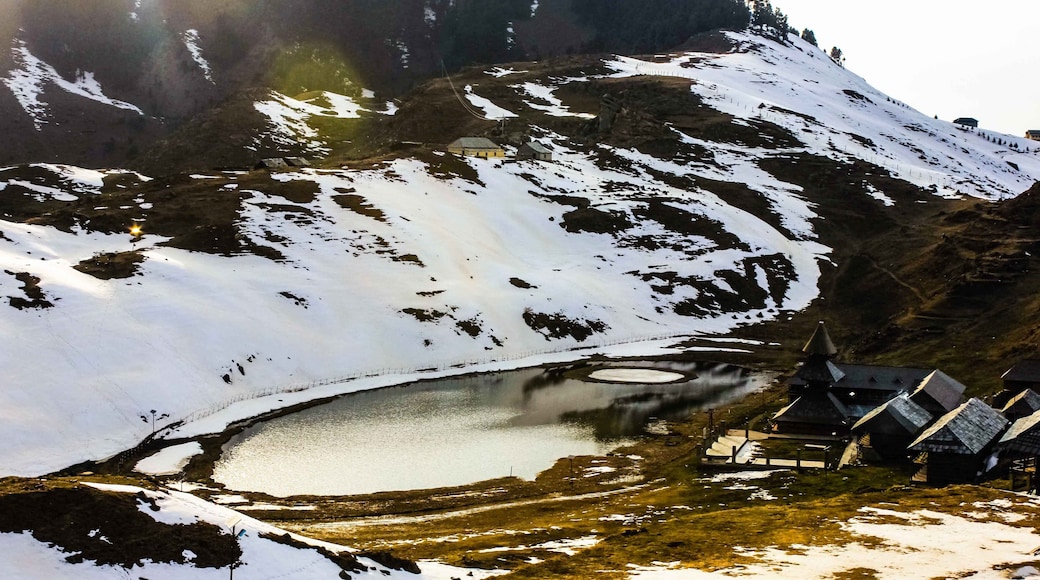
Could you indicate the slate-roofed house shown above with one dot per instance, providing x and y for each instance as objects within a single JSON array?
[
  {"x": 1021, "y": 405},
  {"x": 1022, "y": 439},
  {"x": 966, "y": 121},
  {"x": 938, "y": 393},
  {"x": 955, "y": 448},
  {"x": 886, "y": 431},
  {"x": 1033, "y": 134},
  {"x": 476, "y": 147},
  {"x": 534, "y": 150}
]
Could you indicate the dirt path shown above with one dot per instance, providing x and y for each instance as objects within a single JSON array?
[
  {"x": 345, "y": 525},
  {"x": 895, "y": 278}
]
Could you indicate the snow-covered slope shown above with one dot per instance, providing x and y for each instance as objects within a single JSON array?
[
  {"x": 434, "y": 261},
  {"x": 265, "y": 551},
  {"x": 839, "y": 114}
]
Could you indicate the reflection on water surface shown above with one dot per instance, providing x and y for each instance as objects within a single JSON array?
[{"x": 458, "y": 431}]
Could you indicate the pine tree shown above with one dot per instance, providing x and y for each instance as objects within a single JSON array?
[
  {"x": 809, "y": 36},
  {"x": 837, "y": 56}
]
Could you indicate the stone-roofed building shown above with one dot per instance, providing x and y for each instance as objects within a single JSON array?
[
  {"x": 1033, "y": 134},
  {"x": 1023, "y": 438},
  {"x": 1021, "y": 405},
  {"x": 938, "y": 393},
  {"x": 885, "y": 432},
  {"x": 955, "y": 448},
  {"x": 1021, "y": 445}
]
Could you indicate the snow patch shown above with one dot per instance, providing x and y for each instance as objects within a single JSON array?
[
  {"x": 491, "y": 110},
  {"x": 29, "y": 81},
  {"x": 191, "y": 41},
  {"x": 170, "y": 460}
]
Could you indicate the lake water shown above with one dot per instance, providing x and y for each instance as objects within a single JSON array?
[{"x": 458, "y": 431}]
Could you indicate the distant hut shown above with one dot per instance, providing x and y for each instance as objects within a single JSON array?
[
  {"x": 955, "y": 448},
  {"x": 966, "y": 122},
  {"x": 815, "y": 410},
  {"x": 1033, "y": 134},
  {"x": 272, "y": 164},
  {"x": 886, "y": 432},
  {"x": 297, "y": 162},
  {"x": 938, "y": 393},
  {"x": 476, "y": 147},
  {"x": 534, "y": 150},
  {"x": 1021, "y": 405}
]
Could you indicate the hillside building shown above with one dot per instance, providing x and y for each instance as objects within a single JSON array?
[
  {"x": 957, "y": 447},
  {"x": 476, "y": 147},
  {"x": 534, "y": 150},
  {"x": 938, "y": 393},
  {"x": 966, "y": 122},
  {"x": 1021, "y": 405},
  {"x": 1033, "y": 134},
  {"x": 885, "y": 433},
  {"x": 1022, "y": 440}
]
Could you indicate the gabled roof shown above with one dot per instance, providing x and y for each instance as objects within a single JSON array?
[
  {"x": 966, "y": 430},
  {"x": 1024, "y": 435},
  {"x": 897, "y": 414},
  {"x": 537, "y": 147},
  {"x": 474, "y": 143},
  {"x": 1027, "y": 371},
  {"x": 820, "y": 342},
  {"x": 940, "y": 388},
  {"x": 1022, "y": 404},
  {"x": 819, "y": 408}
]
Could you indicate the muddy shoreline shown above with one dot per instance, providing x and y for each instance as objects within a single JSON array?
[{"x": 197, "y": 474}]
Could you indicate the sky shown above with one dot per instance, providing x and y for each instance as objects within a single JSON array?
[{"x": 949, "y": 58}]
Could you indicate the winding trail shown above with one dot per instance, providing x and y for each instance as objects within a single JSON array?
[
  {"x": 404, "y": 520},
  {"x": 895, "y": 278}
]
